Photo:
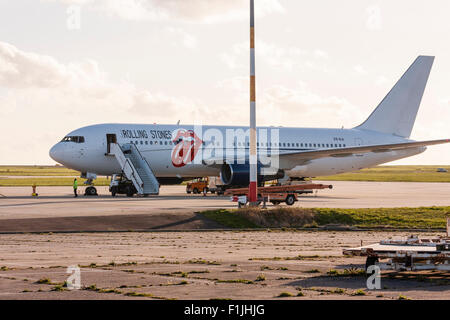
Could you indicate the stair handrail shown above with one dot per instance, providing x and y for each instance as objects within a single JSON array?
[
  {"x": 143, "y": 158},
  {"x": 133, "y": 171}
]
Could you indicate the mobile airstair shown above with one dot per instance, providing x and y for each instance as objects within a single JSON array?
[{"x": 135, "y": 168}]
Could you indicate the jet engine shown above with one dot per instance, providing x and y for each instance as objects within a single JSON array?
[{"x": 238, "y": 175}]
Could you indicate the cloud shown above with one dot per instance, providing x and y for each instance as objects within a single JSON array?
[
  {"x": 186, "y": 39},
  {"x": 374, "y": 20},
  {"x": 381, "y": 81},
  {"x": 79, "y": 82},
  {"x": 275, "y": 56},
  {"x": 296, "y": 105},
  {"x": 359, "y": 69},
  {"x": 41, "y": 97},
  {"x": 20, "y": 69},
  {"x": 300, "y": 106},
  {"x": 198, "y": 11},
  {"x": 239, "y": 83}
]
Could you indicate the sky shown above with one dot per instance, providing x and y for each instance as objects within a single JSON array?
[{"x": 65, "y": 64}]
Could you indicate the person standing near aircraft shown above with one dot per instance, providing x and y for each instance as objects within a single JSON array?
[{"x": 75, "y": 187}]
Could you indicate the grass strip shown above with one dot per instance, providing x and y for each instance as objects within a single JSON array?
[{"x": 282, "y": 217}]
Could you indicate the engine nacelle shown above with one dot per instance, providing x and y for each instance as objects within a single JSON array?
[{"x": 239, "y": 174}]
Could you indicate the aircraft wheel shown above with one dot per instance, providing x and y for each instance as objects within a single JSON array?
[
  {"x": 91, "y": 191},
  {"x": 195, "y": 191}
]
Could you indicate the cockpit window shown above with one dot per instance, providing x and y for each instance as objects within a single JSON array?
[{"x": 76, "y": 139}]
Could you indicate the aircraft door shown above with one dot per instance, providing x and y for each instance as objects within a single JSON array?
[{"x": 110, "y": 138}]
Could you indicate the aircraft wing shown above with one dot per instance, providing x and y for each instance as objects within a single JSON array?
[
  {"x": 304, "y": 156},
  {"x": 290, "y": 159}
]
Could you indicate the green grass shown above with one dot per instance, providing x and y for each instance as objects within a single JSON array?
[
  {"x": 352, "y": 272},
  {"x": 236, "y": 281},
  {"x": 422, "y": 217},
  {"x": 50, "y": 181},
  {"x": 285, "y": 295},
  {"x": 411, "y": 218},
  {"x": 394, "y": 173},
  {"x": 56, "y": 175},
  {"x": 359, "y": 292},
  {"x": 230, "y": 219},
  {"x": 42, "y": 176},
  {"x": 37, "y": 171}
]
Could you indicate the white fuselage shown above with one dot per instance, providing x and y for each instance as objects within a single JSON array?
[{"x": 155, "y": 142}]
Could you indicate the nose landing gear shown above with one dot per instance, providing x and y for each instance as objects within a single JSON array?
[{"x": 90, "y": 190}]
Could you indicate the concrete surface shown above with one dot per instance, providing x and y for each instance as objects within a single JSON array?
[
  {"x": 202, "y": 265},
  {"x": 57, "y": 210},
  {"x": 59, "y": 201}
]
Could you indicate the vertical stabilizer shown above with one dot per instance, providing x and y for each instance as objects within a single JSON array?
[{"x": 397, "y": 112}]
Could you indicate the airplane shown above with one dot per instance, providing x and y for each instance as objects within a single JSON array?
[{"x": 174, "y": 153}]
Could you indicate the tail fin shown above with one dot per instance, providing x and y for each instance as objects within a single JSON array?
[{"x": 397, "y": 112}]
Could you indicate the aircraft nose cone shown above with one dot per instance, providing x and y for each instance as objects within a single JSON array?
[{"x": 57, "y": 152}]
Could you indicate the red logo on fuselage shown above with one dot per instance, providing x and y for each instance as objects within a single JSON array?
[{"x": 187, "y": 144}]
